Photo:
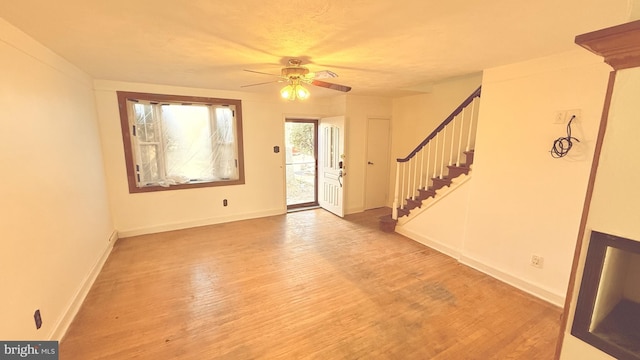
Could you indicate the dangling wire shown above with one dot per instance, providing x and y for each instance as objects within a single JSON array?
[{"x": 562, "y": 145}]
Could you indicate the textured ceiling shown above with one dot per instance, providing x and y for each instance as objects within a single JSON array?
[{"x": 378, "y": 47}]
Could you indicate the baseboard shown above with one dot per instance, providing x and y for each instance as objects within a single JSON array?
[
  {"x": 537, "y": 291},
  {"x": 61, "y": 327},
  {"x": 445, "y": 249},
  {"x": 195, "y": 223},
  {"x": 354, "y": 210}
]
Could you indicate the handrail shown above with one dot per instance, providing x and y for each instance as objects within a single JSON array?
[{"x": 441, "y": 126}]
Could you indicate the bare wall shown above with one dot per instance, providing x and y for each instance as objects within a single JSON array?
[
  {"x": 523, "y": 201},
  {"x": 55, "y": 217}
]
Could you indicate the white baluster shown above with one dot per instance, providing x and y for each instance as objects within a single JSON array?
[
  {"x": 444, "y": 146},
  {"x": 402, "y": 193},
  {"x": 473, "y": 107},
  {"x": 426, "y": 176},
  {"x": 394, "y": 210},
  {"x": 421, "y": 166},
  {"x": 453, "y": 134},
  {"x": 416, "y": 177},
  {"x": 464, "y": 111},
  {"x": 435, "y": 156},
  {"x": 409, "y": 179},
  {"x": 407, "y": 195}
]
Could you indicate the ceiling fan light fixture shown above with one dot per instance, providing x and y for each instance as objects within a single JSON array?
[
  {"x": 288, "y": 93},
  {"x": 294, "y": 74},
  {"x": 294, "y": 91},
  {"x": 301, "y": 92}
]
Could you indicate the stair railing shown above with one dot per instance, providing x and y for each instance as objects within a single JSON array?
[{"x": 430, "y": 158}]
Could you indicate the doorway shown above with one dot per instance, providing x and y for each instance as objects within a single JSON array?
[
  {"x": 301, "y": 163},
  {"x": 377, "y": 175}
]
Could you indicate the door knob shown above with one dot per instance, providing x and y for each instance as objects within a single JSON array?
[{"x": 369, "y": 162}]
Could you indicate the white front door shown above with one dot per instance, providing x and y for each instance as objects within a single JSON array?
[{"x": 332, "y": 166}]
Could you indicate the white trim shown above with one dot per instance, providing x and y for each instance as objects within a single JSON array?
[
  {"x": 436, "y": 245},
  {"x": 535, "y": 290},
  {"x": 355, "y": 210},
  {"x": 61, "y": 327},
  {"x": 202, "y": 222}
]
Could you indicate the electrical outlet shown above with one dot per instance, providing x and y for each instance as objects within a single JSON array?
[
  {"x": 563, "y": 116},
  {"x": 571, "y": 113},
  {"x": 559, "y": 117},
  {"x": 537, "y": 261}
]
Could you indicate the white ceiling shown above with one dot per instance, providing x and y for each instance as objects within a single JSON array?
[{"x": 378, "y": 47}]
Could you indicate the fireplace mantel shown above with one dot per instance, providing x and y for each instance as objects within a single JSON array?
[{"x": 619, "y": 45}]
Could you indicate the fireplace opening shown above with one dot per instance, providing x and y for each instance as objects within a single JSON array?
[{"x": 608, "y": 308}]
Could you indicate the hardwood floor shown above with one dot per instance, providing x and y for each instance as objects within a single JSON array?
[{"x": 304, "y": 285}]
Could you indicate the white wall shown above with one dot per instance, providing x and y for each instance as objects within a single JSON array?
[
  {"x": 54, "y": 217},
  {"x": 523, "y": 201},
  {"x": 415, "y": 117},
  {"x": 442, "y": 226}
]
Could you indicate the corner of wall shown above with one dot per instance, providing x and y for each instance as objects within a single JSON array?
[{"x": 63, "y": 323}]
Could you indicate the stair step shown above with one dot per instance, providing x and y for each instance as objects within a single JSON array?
[
  {"x": 440, "y": 183},
  {"x": 403, "y": 212},
  {"x": 412, "y": 204},
  {"x": 387, "y": 224},
  {"x": 455, "y": 171},
  {"x": 426, "y": 193},
  {"x": 469, "y": 156}
]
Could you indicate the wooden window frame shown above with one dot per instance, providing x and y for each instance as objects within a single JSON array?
[{"x": 130, "y": 163}]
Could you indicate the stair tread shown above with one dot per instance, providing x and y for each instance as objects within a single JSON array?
[{"x": 387, "y": 218}]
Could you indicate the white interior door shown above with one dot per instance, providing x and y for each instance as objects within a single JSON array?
[
  {"x": 332, "y": 166},
  {"x": 377, "y": 176}
]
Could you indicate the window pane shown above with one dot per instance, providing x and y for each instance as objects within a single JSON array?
[
  {"x": 149, "y": 172},
  {"x": 145, "y": 125},
  {"x": 187, "y": 142},
  {"x": 224, "y": 125},
  {"x": 225, "y": 149}
]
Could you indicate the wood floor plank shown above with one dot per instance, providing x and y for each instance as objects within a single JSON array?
[{"x": 307, "y": 285}]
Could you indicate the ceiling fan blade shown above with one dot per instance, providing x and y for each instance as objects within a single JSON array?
[
  {"x": 322, "y": 74},
  {"x": 262, "y": 83},
  {"x": 263, "y": 73},
  {"x": 331, "y": 86}
]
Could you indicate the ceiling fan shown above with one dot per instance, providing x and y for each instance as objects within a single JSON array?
[{"x": 294, "y": 74}]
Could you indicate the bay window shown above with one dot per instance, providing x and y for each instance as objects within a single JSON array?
[{"x": 178, "y": 142}]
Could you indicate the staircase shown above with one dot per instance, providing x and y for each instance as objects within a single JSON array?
[{"x": 443, "y": 156}]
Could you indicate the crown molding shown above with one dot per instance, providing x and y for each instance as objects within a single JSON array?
[{"x": 619, "y": 45}]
